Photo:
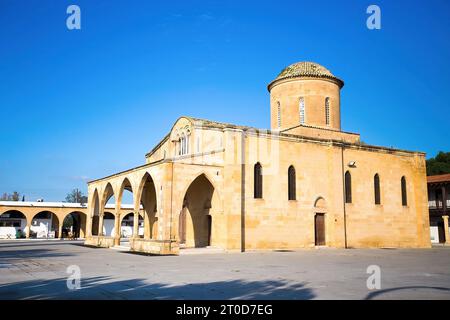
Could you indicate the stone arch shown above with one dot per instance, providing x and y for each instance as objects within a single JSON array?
[
  {"x": 141, "y": 215},
  {"x": 108, "y": 192},
  {"x": 196, "y": 224},
  {"x": 94, "y": 214},
  {"x": 94, "y": 203},
  {"x": 45, "y": 224},
  {"x": 217, "y": 196},
  {"x": 13, "y": 224},
  {"x": 108, "y": 223},
  {"x": 147, "y": 197},
  {"x": 126, "y": 224},
  {"x": 320, "y": 204},
  {"x": 74, "y": 225},
  {"x": 125, "y": 185}
]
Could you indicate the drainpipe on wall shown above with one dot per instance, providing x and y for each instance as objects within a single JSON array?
[
  {"x": 243, "y": 191},
  {"x": 171, "y": 205},
  {"x": 343, "y": 193}
]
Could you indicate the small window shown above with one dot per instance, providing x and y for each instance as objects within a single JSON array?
[
  {"x": 184, "y": 145},
  {"x": 404, "y": 192},
  {"x": 291, "y": 183},
  {"x": 302, "y": 110},
  {"x": 376, "y": 186},
  {"x": 348, "y": 187},
  {"x": 258, "y": 183},
  {"x": 327, "y": 111}
]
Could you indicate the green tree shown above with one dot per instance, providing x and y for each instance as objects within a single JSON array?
[
  {"x": 68, "y": 222},
  {"x": 15, "y": 196},
  {"x": 439, "y": 164},
  {"x": 76, "y": 196}
]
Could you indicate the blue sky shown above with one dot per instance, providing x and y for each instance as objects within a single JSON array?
[{"x": 82, "y": 104}]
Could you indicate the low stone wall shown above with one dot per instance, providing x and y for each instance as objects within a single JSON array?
[
  {"x": 152, "y": 246},
  {"x": 100, "y": 241}
]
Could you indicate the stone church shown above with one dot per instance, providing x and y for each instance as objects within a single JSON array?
[{"x": 303, "y": 183}]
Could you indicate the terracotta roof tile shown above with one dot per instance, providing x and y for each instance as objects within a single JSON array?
[
  {"x": 308, "y": 70},
  {"x": 439, "y": 178}
]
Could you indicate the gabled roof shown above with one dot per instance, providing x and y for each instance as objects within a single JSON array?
[
  {"x": 216, "y": 124},
  {"x": 201, "y": 123}
]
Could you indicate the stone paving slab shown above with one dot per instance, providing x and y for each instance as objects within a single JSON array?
[{"x": 37, "y": 270}]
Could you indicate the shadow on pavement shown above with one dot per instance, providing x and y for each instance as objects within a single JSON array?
[
  {"x": 21, "y": 244},
  {"x": 14, "y": 255},
  {"x": 106, "y": 288},
  {"x": 379, "y": 293}
]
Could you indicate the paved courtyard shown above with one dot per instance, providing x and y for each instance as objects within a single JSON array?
[{"x": 37, "y": 270}]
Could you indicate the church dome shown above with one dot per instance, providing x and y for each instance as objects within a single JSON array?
[{"x": 306, "y": 69}]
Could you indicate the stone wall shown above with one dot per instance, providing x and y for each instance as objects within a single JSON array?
[{"x": 159, "y": 247}]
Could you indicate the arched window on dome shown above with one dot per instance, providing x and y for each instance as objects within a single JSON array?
[
  {"x": 302, "y": 110},
  {"x": 279, "y": 114},
  {"x": 327, "y": 111}
]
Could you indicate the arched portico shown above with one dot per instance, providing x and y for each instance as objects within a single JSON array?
[
  {"x": 13, "y": 225},
  {"x": 108, "y": 197},
  {"x": 108, "y": 224},
  {"x": 94, "y": 215},
  {"x": 74, "y": 225},
  {"x": 196, "y": 224},
  {"x": 45, "y": 224},
  {"x": 146, "y": 197}
]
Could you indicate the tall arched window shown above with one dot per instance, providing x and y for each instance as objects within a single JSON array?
[
  {"x": 291, "y": 183},
  {"x": 183, "y": 144},
  {"x": 278, "y": 114},
  {"x": 258, "y": 182},
  {"x": 186, "y": 147},
  {"x": 180, "y": 145},
  {"x": 327, "y": 111},
  {"x": 404, "y": 192},
  {"x": 302, "y": 111},
  {"x": 348, "y": 187},
  {"x": 376, "y": 187}
]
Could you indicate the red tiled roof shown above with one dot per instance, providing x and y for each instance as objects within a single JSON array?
[{"x": 439, "y": 178}]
